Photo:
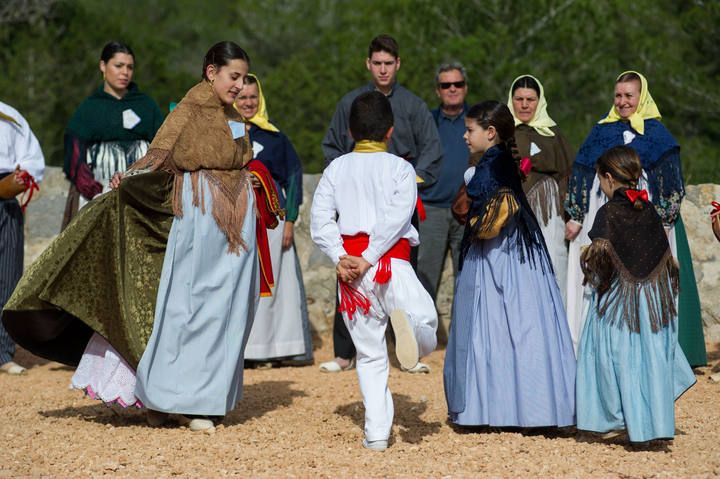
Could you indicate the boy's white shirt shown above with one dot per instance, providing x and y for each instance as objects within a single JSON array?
[{"x": 372, "y": 193}]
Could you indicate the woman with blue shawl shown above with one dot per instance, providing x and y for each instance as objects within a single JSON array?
[
  {"x": 281, "y": 330},
  {"x": 633, "y": 120}
]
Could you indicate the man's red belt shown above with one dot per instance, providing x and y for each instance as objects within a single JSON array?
[{"x": 350, "y": 298}]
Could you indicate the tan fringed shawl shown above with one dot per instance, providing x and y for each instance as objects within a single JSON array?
[
  {"x": 196, "y": 138},
  {"x": 629, "y": 261}
]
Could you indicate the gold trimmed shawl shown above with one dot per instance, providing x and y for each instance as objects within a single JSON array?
[{"x": 196, "y": 138}]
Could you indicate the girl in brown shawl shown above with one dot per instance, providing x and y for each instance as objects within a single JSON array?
[{"x": 172, "y": 255}]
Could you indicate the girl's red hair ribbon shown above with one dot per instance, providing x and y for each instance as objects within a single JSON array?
[{"x": 635, "y": 194}]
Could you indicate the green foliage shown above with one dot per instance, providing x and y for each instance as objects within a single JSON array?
[{"x": 308, "y": 53}]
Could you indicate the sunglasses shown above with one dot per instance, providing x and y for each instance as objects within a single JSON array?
[{"x": 456, "y": 84}]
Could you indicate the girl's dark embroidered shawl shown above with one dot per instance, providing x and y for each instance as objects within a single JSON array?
[{"x": 630, "y": 259}]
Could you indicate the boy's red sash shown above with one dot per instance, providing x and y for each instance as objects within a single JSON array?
[{"x": 350, "y": 298}]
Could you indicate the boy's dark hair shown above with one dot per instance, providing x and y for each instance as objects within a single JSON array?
[
  {"x": 371, "y": 116},
  {"x": 384, "y": 43}
]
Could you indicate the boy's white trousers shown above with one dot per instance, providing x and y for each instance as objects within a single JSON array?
[{"x": 404, "y": 292}]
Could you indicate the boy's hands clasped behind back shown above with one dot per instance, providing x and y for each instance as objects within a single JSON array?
[{"x": 349, "y": 268}]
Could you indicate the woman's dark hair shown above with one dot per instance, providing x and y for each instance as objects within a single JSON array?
[
  {"x": 623, "y": 164},
  {"x": 526, "y": 82},
  {"x": 371, "y": 116},
  {"x": 223, "y": 53},
  {"x": 250, "y": 79},
  {"x": 493, "y": 113},
  {"x": 114, "y": 47}
]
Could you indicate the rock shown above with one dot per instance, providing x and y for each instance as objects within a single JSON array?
[
  {"x": 44, "y": 213},
  {"x": 705, "y": 250}
]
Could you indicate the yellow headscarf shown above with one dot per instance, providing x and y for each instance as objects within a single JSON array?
[
  {"x": 646, "y": 109},
  {"x": 260, "y": 119},
  {"x": 541, "y": 121}
]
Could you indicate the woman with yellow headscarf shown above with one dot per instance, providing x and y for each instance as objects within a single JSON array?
[
  {"x": 281, "y": 330},
  {"x": 539, "y": 139},
  {"x": 633, "y": 120}
]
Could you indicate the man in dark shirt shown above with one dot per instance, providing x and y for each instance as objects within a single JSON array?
[
  {"x": 414, "y": 138},
  {"x": 440, "y": 231}
]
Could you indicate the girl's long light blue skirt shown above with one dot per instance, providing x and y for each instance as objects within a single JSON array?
[
  {"x": 629, "y": 380},
  {"x": 510, "y": 359},
  {"x": 193, "y": 363}
]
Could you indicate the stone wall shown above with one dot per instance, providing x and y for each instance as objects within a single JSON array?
[
  {"x": 705, "y": 251},
  {"x": 45, "y": 215}
]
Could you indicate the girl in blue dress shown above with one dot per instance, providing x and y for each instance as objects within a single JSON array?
[
  {"x": 630, "y": 367},
  {"x": 510, "y": 359}
]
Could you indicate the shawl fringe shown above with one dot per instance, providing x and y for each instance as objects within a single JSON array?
[
  {"x": 544, "y": 198},
  {"x": 503, "y": 209},
  {"x": 620, "y": 292},
  {"x": 498, "y": 212},
  {"x": 227, "y": 187}
]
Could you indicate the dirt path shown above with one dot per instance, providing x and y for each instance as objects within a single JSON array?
[{"x": 297, "y": 422}]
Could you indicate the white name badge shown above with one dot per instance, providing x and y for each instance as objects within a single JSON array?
[
  {"x": 469, "y": 173},
  {"x": 130, "y": 119},
  {"x": 257, "y": 148},
  {"x": 237, "y": 128},
  {"x": 534, "y": 149},
  {"x": 628, "y": 136}
]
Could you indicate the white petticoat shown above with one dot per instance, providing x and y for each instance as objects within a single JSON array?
[{"x": 103, "y": 374}]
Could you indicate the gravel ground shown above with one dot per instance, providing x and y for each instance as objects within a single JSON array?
[{"x": 297, "y": 422}]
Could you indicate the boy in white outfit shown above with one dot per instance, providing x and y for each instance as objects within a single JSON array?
[{"x": 360, "y": 218}]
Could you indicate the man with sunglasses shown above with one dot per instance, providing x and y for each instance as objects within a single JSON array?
[
  {"x": 414, "y": 138},
  {"x": 440, "y": 231}
]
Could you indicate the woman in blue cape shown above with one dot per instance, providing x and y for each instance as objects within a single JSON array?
[{"x": 633, "y": 120}]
